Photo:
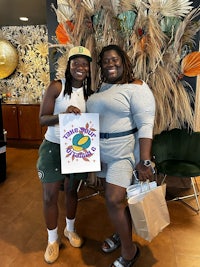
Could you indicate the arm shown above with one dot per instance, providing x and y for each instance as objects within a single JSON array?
[
  {"x": 144, "y": 172},
  {"x": 46, "y": 116},
  {"x": 143, "y": 110}
]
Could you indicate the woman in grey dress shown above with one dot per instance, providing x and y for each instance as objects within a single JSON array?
[{"x": 127, "y": 110}]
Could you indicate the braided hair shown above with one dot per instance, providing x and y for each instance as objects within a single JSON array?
[
  {"x": 87, "y": 91},
  {"x": 127, "y": 76}
]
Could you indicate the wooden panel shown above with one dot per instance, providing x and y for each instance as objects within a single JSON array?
[
  {"x": 28, "y": 116},
  {"x": 10, "y": 121}
]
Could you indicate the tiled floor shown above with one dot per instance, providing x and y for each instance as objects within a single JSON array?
[{"x": 23, "y": 234}]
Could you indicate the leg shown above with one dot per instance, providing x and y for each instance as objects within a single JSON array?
[
  {"x": 111, "y": 243},
  {"x": 120, "y": 216},
  {"x": 71, "y": 198},
  {"x": 71, "y": 201},
  {"x": 50, "y": 207},
  {"x": 50, "y": 198}
]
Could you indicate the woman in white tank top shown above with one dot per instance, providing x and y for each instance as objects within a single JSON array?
[{"x": 67, "y": 95}]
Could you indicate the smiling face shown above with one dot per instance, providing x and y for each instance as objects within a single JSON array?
[
  {"x": 79, "y": 69},
  {"x": 112, "y": 66}
]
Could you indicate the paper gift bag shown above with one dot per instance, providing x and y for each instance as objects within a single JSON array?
[{"x": 149, "y": 212}]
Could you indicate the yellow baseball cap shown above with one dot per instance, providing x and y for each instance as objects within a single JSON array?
[{"x": 79, "y": 51}]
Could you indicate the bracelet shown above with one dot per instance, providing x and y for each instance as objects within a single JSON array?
[
  {"x": 149, "y": 164},
  {"x": 146, "y": 163}
]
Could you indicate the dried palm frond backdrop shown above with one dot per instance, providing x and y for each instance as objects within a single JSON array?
[{"x": 158, "y": 36}]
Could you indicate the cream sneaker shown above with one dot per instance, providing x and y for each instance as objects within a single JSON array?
[
  {"x": 52, "y": 252},
  {"x": 74, "y": 239}
]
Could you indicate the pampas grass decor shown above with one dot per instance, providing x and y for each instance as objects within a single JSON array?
[{"x": 159, "y": 39}]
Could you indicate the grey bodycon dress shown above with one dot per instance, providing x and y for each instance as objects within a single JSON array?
[{"x": 122, "y": 107}]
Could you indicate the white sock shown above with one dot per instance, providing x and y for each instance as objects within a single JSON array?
[
  {"x": 70, "y": 224},
  {"x": 52, "y": 235}
]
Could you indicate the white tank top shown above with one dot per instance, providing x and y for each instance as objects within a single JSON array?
[{"x": 61, "y": 104}]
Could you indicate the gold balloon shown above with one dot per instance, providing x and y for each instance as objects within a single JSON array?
[{"x": 8, "y": 58}]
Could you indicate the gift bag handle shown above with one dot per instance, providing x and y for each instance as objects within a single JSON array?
[{"x": 142, "y": 185}]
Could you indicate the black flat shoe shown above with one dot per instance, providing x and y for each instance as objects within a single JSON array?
[
  {"x": 121, "y": 262},
  {"x": 112, "y": 242}
]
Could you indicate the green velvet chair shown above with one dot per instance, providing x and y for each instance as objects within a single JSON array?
[{"x": 177, "y": 153}]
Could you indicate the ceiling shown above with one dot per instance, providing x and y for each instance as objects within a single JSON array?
[{"x": 11, "y": 10}]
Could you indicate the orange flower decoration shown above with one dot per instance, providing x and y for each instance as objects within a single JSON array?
[
  {"x": 143, "y": 42},
  {"x": 190, "y": 65},
  {"x": 61, "y": 32}
]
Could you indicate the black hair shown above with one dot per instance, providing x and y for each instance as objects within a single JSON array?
[
  {"x": 87, "y": 91},
  {"x": 127, "y": 76}
]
